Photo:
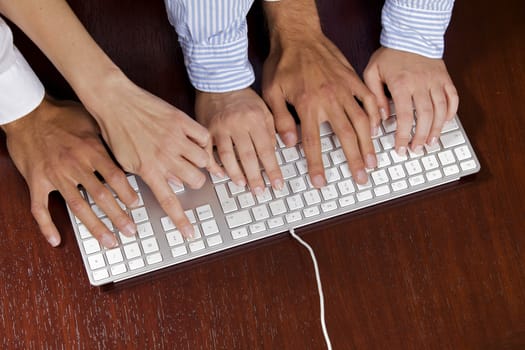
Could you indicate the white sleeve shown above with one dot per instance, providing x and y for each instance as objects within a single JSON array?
[{"x": 20, "y": 89}]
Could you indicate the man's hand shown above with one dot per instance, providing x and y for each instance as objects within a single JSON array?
[
  {"x": 241, "y": 119},
  {"x": 153, "y": 139},
  {"x": 413, "y": 81},
  {"x": 314, "y": 76},
  {"x": 57, "y": 147}
]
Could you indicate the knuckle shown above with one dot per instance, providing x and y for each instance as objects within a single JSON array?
[
  {"x": 76, "y": 204},
  {"x": 169, "y": 202}
]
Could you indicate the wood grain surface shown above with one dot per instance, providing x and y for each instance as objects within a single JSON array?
[{"x": 441, "y": 270}]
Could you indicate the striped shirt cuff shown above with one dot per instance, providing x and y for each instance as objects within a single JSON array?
[
  {"x": 218, "y": 67},
  {"x": 416, "y": 26}
]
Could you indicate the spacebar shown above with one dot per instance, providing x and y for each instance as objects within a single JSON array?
[{"x": 239, "y": 218}]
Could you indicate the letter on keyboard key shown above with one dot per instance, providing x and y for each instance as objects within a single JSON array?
[
  {"x": 239, "y": 218},
  {"x": 257, "y": 227},
  {"x": 150, "y": 245},
  {"x": 114, "y": 255},
  {"x": 174, "y": 238},
  {"x": 290, "y": 154},
  {"x": 145, "y": 230},
  {"x": 328, "y": 206},
  {"x": 139, "y": 214},
  {"x": 346, "y": 201},
  {"x": 204, "y": 212},
  {"x": 399, "y": 185},
  {"x": 416, "y": 180}
]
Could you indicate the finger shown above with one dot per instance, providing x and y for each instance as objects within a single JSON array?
[
  {"x": 214, "y": 167},
  {"x": 266, "y": 151},
  {"x": 250, "y": 162},
  {"x": 229, "y": 160},
  {"x": 105, "y": 201},
  {"x": 196, "y": 132},
  {"x": 171, "y": 205},
  {"x": 195, "y": 153},
  {"x": 453, "y": 100},
  {"x": 83, "y": 211},
  {"x": 349, "y": 142},
  {"x": 40, "y": 211},
  {"x": 439, "y": 101},
  {"x": 425, "y": 117},
  {"x": 404, "y": 112},
  {"x": 360, "y": 125},
  {"x": 312, "y": 149},
  {"x": 188, "y": 173},
  {"x": 375, "y": 84},
  {"x": 117, "y": 180},
  {"x": 284, "y": 122}
]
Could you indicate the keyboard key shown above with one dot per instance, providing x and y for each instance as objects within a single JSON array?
[
  {"x": 176, "y": 188},
  {"x": 227, "y": 203},
  {"x": 346, "y": 187},
  {"x": 312, "y": 197},
  {"x": 98, "y": 212},
  {"x": 114, "y": 256},
  {"x": 191, "y": 216},
  {"x": 399, "y": 185},
  {"x": 449, "y": 126},
  {"x": 413, "y": 167},
  {"x": 96, "y": 261},
  {"x": 257, "y": 227},
  {"x": 204, "y": 212},
  {"x": 332, "y": 175},
  {"x": 209, "y": 227},
  {"x": 260, "y": 212},
  {"x": 396, "y": 158},
  {"x": 295, "y": 202},
  {"x": 275, "y": 222},
  {"x": 462, "y": 152},
  {"x": 83, "y": 231},
  {"x": 381, "y": 190},
  {"x": 325, "y": 129},
  {"x": 380, "y": 177},
  {"x": 396, "y": 172},
  {"x": 136, "y": 264},
  {"x": 282, "y": 192},
  {"x": 451, "y": 170},
  {"x": 239, "y": 233},
  {"x": 132, "y": 250},
  {"x": 390, "y": 125},
  {"x": 108, "y": 223},
  {"x": 297, "y": 184},
  {"x": 452, "y": 139},
  {"x": 293, "y": 217},
  {"x": 277, "y": 207},
  {"x": 416, "y": 180},
  {"x": 288, "y": 171},
  {"x": 329, "y": 192},
  {"x": 265, "y": 196},
  {"x": 100, "y": 274},
  {"x": 430, "y": 162},
  {"x": 364, "y": 186},
  {"x": 133, "y": 182},
  {"x": 150, "y": 245},
  {"x": 326, "y": 160},
  {"x": 216, "y": 179},
  {"x": 118, "y": 269},
  {"x": 446, "y": 157},
  {"x": 387, "y": 141},
  {"x": 179, "y": 251},
  {"x": 468, "y": 165},
  {"x": 383, "y": 160},
  {"x": 434, "y": 148},
  {"x": 154, "y": 258},
  {"x": 139, "y": 214},
  {"x": 238, "y": 218},
  {"x": 214, "y": 240},
  {"x": 145, "y": 230},
  {"x": 91, "y": 246},
  {"x": 326, "y": 144},
  {"x": 246, "y": 200},
  {"x": 364, "y": 196},
  {"x": 167, "y": 224},
  {"x": 174, "y": 238},
  {"x": 196, "y": 246},
  {"x": 126, "y": 239},
  {"x": 311, "y": 211},
  {"x": 234, "y": 189},
  {"x": 337, "y": 156},
  {"x": 302, "y": 167},
  {"x": 345, "y": 171},
  {"x": 328, "y": 206},
  {"x": 290, "y": 154},
  {"x": 433, "y": 175}
]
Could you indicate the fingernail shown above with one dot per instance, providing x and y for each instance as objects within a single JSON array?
[
  {"x": 361, "y": 176},
  {"x": 219, "y": 174},
  {"x": 109, "y": 241},
  {"x": 318, "y": 181},
  {"x": 370, "y": 161},
  {"x": 401, "y": 151},
  {"x": 258, "y": 191},
  {"x": 433, "y": 142},
  {"x": 418, "y": 149},
  {"x": 135, "y": 204},
  {"x": 289, "y": 139},
  {"x": 54, "y": 241},
  {"x": 240, "y": 183},
  {"x": 187, "y": 231},
  {"x": 374, "y": 131},
  {"x": 383, "y": 113},
  {"x": 130, "y": 229},
  {"x": 278, "y": 184}
]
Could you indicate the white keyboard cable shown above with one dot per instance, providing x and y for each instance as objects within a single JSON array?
[{"x": 319, "y": 286}]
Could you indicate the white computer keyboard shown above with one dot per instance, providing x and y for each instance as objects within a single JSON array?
[{"x": 225, "y": 215}]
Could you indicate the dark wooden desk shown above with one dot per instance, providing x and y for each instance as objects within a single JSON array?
[{"x": 443, "y": 270}]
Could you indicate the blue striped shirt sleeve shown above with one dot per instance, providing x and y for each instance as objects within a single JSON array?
[
  {"x": 213, "y": 35},
  {"x": 416, "y": 26}
]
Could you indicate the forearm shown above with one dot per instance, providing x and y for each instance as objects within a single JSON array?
[
  {"x": 54, "y": 28},
  {"x": 283, "y": 24}
]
